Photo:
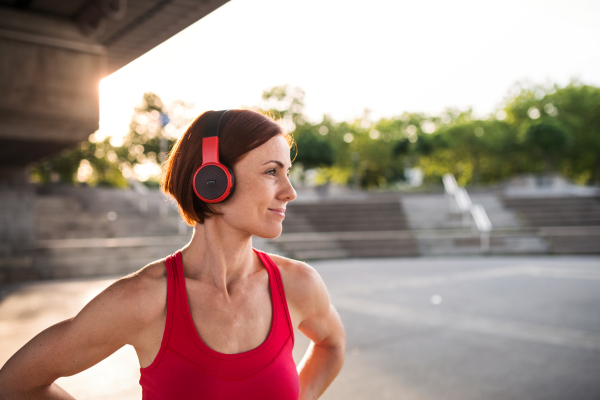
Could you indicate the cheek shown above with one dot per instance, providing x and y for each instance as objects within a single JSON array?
[{"x": 252, "y": 192}]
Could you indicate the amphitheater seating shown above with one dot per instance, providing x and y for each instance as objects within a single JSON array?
[
  {"x": 570, "y": 224},
  {"x": 77, "y": 237},
  {"x": 330, "y": 228},
  {"x": 100, "y": 231}
]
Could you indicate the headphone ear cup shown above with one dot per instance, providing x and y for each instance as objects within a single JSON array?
[
  {"x": 210, "y": 182},
  {"x": 232, "y": 180}
]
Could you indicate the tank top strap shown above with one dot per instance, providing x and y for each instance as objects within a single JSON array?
[
  {"x": 171, "y": 297},
  {"x": 278, "y": 284},
  {"x": 185, "y": 332},
  {"x": 180, "y": 289}
]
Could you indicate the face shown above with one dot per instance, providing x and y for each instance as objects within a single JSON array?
[{"x": 262, "y": 185}]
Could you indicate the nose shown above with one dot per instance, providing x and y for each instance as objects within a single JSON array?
[{"x": 289, "y": 193}]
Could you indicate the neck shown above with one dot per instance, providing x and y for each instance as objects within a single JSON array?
[{"x": 218, "y": 255}]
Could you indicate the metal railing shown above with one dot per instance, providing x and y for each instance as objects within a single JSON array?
[
  {"x": 143, "y": 193},
  {"x": 460, "y": 202}
]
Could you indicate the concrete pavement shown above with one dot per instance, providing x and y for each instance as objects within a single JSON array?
[{"x": 417, "y": 328}]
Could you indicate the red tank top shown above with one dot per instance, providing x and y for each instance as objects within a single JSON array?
[{"x": 186, "y": 368}]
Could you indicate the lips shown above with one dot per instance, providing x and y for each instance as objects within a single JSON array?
[{"x": 278, "y": 211}]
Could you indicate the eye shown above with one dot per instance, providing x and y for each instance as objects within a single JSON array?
[{"x": 274, "y": 171}]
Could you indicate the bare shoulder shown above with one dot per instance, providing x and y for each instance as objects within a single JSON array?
[
  {"x": 303, "y": 284},
  {"x": 138, "y": 298},
  {"x": 296, "y": 271},
  {"x": 146, "y": 288},
  {"x": 153, "y": 273}
]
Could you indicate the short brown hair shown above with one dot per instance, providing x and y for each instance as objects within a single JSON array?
[{"x": 240, "y": 132}]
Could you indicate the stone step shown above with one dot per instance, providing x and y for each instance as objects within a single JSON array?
[
  {"x": 577, "y": 217},
  {"x": 528, "y": 201},
  {"x": 314, "y": 245},
  {"x": 391, "y": 220},
  {"x": 566, "y": 202},
  {"x": 337, "y": 229},
  {"x": 101, "y": 256},
  {"x": 575, "y": 248},
  {"x": 350, "y": 245},
  {"x": 433, "y": 211},
  {"x": 86, "y": 257},
  {"x": 354, "y": 215},
  {"x": 564, "y": 210},
  {"x": 138, "y": 229},
  {"x": 440, "y": 246},
  {"x": 575, "y": 244},
  {"x": 340, "y": 227},
  {"x": 317, "y": 254},
  {"x": 365, "y": 214},
  {"x": 63, "y": 214},
  {"x": 562, "y": 222}
]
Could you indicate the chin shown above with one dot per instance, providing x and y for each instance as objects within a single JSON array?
[{"x": 270, "y": 232}]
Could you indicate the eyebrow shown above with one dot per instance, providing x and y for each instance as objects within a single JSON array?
[{"x": 277, "y": 162}]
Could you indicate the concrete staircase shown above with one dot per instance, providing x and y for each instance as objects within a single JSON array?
[
  {"x": 570, "y": 224},
  {"x": 367, "y": 226},
  {"x": 439, "y": 231},
  {"x": 100, "y": 231},
  {"x": 70, "y": 212},
  {"x": 84, "y": 231}
]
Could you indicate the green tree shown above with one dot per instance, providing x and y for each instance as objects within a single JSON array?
[
  {"x": 574, "y": 113},
  {"x": 154, "y": 128},
  {"x": 541, "y": 129},
  {"x": 286, "y": 103},
  {"x": 548, "y": 141},
  {"x": 91, "y": 162}
]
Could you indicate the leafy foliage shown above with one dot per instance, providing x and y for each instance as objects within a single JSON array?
[
  {"x": 154, "y": 128},
  {"x": 539, "y": 130}
]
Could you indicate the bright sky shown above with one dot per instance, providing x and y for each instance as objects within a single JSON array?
[{"x": 387, "y": 56}]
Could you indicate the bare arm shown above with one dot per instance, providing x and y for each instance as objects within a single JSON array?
[
  {"x": 325, "y": 355},
  {"x": 104, "y": 325}
]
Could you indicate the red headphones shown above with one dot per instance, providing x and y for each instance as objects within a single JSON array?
[{"x": 213, "y": 182}]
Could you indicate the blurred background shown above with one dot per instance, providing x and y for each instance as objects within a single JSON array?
[{"x": 447, "y": 168}]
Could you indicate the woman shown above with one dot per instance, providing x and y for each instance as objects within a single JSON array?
[{"x": 215, "y": 320}]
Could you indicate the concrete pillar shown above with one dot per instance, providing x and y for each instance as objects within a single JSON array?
[
  {"x": 49, "y": 77},
  {"x": 49, "y": 84},
  {"x": 17, "y": 225}
]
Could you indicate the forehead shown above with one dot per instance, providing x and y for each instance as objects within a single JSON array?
[{"x": 275, "y": 148}]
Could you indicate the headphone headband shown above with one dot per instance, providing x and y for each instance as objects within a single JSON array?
[{"x": 211, "y": 128}]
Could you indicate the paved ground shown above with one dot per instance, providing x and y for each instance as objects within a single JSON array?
[{"x": 420, "y": 328}]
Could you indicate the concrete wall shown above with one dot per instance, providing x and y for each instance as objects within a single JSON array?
[
  {"x": 17, "y": 223},
  {"x": 49, "y": 100},
  {"x": 49, "y": 77}
]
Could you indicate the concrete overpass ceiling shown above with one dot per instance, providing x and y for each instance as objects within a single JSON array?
[
  {"x": 55, "y": 52},
  {"x": 65, "y": 9},
  {"x": 147, "y": 24},
  {"x": 126, "y": 28}
]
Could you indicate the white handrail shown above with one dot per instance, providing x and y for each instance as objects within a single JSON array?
[
  {"x": 143, "y": 192},
  {"x": 183, "y": 226},
  {"x": 467, "y": 208},
  {"x": 450, "y": 183},
  {"x": 138, "y": 186},
  {"x": 462, "y": 199},
  {"x": 482, "y": 221},
  {"x": 483, "y": 224},
  {"x": 451, "y": 186}
]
